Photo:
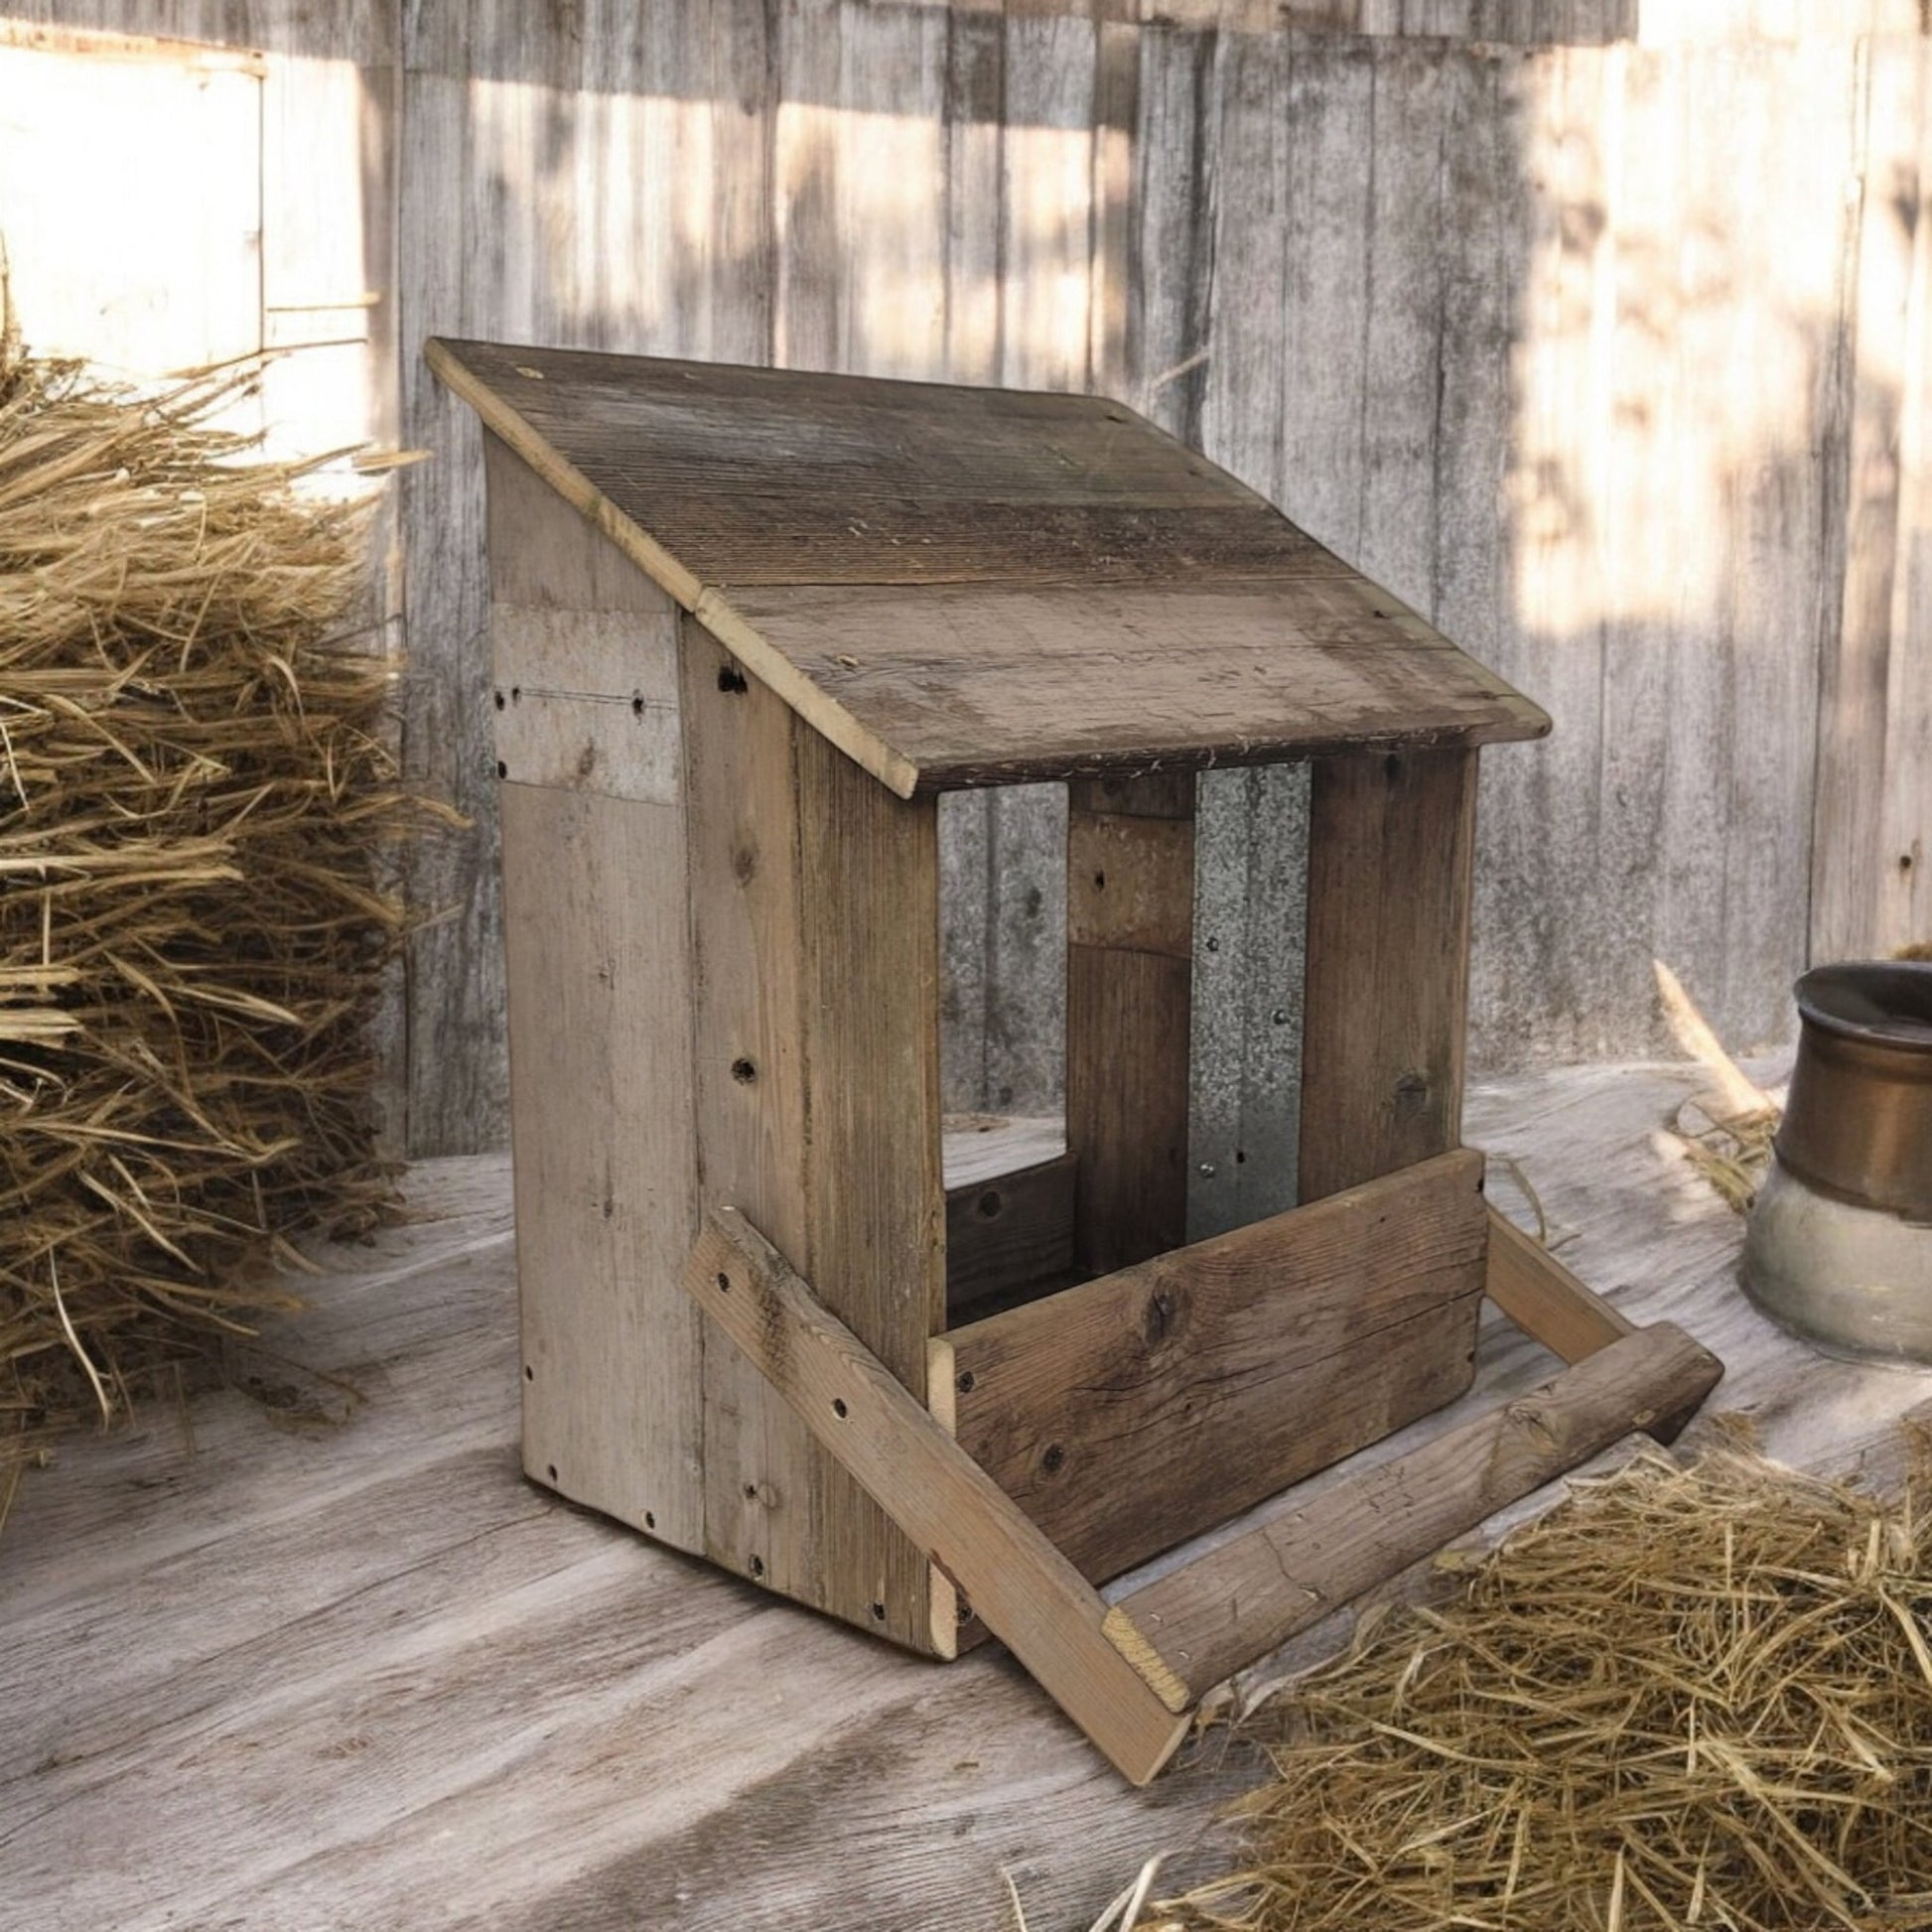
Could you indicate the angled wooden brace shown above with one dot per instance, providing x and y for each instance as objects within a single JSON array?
[
  {"x": 1128, "y": 1675},
  {"x": 1089, "y": 1659}
]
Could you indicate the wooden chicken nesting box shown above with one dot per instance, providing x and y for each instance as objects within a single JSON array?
[{"x": 748, "y": 625}]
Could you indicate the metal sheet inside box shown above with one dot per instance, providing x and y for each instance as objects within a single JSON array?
[{"x": 749, "y": 625}]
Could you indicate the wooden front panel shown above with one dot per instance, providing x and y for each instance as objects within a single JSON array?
[
  {"x": 1391, "y": 850},
  {"x": 814, "y": 896},
  {"x": 1132, "y": 1412},
  {"x": 1130, "y": 891}
]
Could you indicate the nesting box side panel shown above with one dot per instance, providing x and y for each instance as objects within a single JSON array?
[
  {"x": 1391, "y": 859},
  {"x": 596, "y": 930},
  {"x": 814, "y": 896}
]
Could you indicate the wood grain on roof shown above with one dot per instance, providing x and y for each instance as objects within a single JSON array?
[{"x": 963, "y": 586}]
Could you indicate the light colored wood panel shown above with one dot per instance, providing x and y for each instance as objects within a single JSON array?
[
  {"x": 1130, "y": 1413},
  {"x": 1905, "y": 908},
  {"x": 1176, "y": 184},
  {"x": 1127, "y": 1015},
  {"x": 983, "y": 1147},
  {"x": 605, "y": 1172},
  {"x": 544, "y": 554},
  {"x": 587, "y": 701},
  {"x": 875, "y": 1198},
  {"x": 1543, "y": 1297},
  {"x": 1391, "y": 842},
  {"x": 1010, "y": 1230},
  {"x": 1024, "y": 1590},
  {"x": 1249, "y": 1596},
  {"x": 760, "y": 1489},
  {"x": 815, "y": 913},
  {"x": 1410, "y": 230}
]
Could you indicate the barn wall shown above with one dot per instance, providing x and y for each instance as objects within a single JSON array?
[{"x": 1598, "y": 332}]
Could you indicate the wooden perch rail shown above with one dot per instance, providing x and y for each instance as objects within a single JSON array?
[{"x": 1250, "y": 1596}]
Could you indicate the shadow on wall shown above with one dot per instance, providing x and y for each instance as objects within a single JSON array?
[
  {"x": 1571, "y": 347},
  {"x": 1609, "y": 357}
]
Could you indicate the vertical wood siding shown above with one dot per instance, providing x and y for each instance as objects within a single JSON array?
[{"x": 1597, "y": 331}]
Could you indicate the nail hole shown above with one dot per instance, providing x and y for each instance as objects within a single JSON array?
[
  {"x": 503, "y": 770},
  {"x": 1100, "y": 881},
  {"x": 516, "y": 694},
  {"x": 637, "y": 707},
  {"x": 501, "y": 701},
  {"x": 1240, "y": 1159},
  {"x": 724, "y": 1283},
  {"x": 750, "y": 1492},
  {"x": 879, "y": 1614},
  {"x": 990, "y": 1204},
  {"x": 552, "y": 1470},
  {"x": 650, "y": 1520},
  {"x": 1904, "y": 862},
  {"x": 730, "y": 679},
  {"x": 838, "y": 1406},
  {"x": 965, "y": 1382},
  {"x": 530, "y": 1374},
  {"x": 757, "y": 1566},
  {"x": 744, "y": 1072}
]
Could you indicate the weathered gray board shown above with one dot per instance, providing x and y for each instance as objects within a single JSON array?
[{"x": 1610, "y": 358}]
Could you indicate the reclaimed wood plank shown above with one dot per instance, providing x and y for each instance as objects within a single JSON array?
[
  {"x": 761, "y": 1467},
  {"x": 1543, "y": 1297},
  {"x": 602, "y": 1114},
  {"x": 816, "y": 923},
  {"x": 1010, "y": 1231},
  {"x": 605, "y": 1172},
  {"x": 1130, "y": 924},
  {"x": 850, "y": 487},
  {"x": 1391, "y": 843},
  {"x": 1020, "y": 1587},
  {"x": 1251, "y": 1595},
  {"x": 1112, "y": 1410}
]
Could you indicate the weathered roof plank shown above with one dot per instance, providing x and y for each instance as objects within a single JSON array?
[{"x": 966, "y": 586}]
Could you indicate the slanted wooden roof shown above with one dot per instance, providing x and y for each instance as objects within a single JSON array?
[{"x": 982, "y": 585}]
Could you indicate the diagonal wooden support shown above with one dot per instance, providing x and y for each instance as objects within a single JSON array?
[
  {"x": 1544, "y": 1299},
  {"x": 1089, "y": 1659},
  {"x": 1250, "y": 1596}
]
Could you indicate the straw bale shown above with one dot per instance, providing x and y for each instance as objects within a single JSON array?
[
  {"x": 1688, "y": 1697},
  {"x": 197, "y": 797}
]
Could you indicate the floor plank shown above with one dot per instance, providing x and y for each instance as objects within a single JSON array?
[{"x": 364, "y": 1676}]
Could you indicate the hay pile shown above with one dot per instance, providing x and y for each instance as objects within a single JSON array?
[
  {"x": 1687, "y": 1698},
  {"x": 194, "y": 794},
  {"x": 1732, "y": 1154}
]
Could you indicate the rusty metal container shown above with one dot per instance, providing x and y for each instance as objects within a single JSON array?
[{"x": 1840, "y": 1243}]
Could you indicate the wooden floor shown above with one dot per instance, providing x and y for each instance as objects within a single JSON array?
[{"x": 263, "y": 1668}]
